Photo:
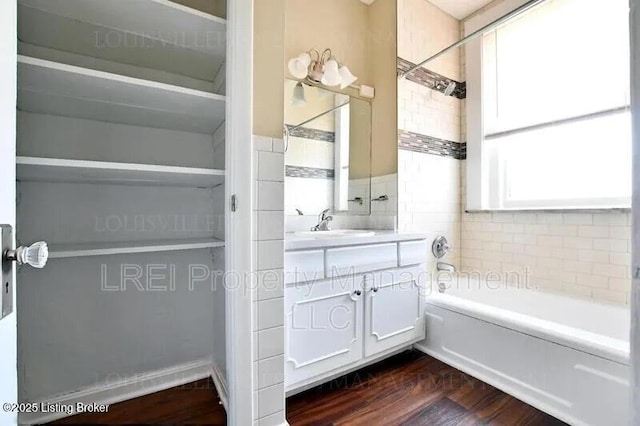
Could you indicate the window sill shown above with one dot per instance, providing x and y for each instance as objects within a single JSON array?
[{"x": 552, "y": 210}]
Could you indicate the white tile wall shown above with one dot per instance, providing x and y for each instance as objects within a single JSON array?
[
  {"x": 429, "y": 199},
  {"x": 429, "y": 112},
  {"x": 384, "y": 185},
  {"x": 423, "y": 30},
  {"x": 311, "y": 196},
  {"x": 268, "y": 305},
  {"x": 429, "y": 185},
  {"x": 581, "y": 254},
  {"x": 310, "y": 153}
]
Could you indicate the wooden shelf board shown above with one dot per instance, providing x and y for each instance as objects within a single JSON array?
[
  {"x": 62, "y": 251},
  {"x": 48, "y": 87},
  {"x": 64, "y": 170}
]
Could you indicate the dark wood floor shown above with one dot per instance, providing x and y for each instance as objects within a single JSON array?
[
  {"x": 408, "y": 389},
  {"x": 194, "y": 403}
]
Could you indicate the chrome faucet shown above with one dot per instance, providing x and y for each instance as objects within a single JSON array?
[{"x": 323, "y": 221}]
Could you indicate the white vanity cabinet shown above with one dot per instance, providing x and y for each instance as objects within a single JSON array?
[
  {"x": 324, "y": 321},
  {"x": 394, "y": 308},
  {"x": 360, "y": 303}
]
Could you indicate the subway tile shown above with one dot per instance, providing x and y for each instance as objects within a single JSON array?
[
  {"x": 270, "y": 255},
  {"x": 608, "y": 270},
  {"x": 549, "y": 218},
  {"x": 271, "y": 400},
  {"x": 564, "y": 230},
  {"x": 536, "y": 229},
  {"x": 270, "y": 342},
  {"x": 614, "y": 219},
  {"x": 270, "y": 371},
  {"x": 585, "y": 255},
  {"x": 619, "y": 297},
  {"x": 593, "y": 231},
  {"x": 549, "y": 241},
  {"x": 590, "y": 280},
  {"x": 620, "y": 284},
  {"x": 270, "y": 284},
  {"x": 620, "y": 232},
  {"x": 270, "y": 196},
  {"x": 262, "y": 143},
  {"x": 270, "y": 313},
  {"x": 577, "y": 242},
  {"x": 270, "y": 166},
  {"x": 578, "y": 218},
  {"x": 278, "y": 145},
  {"x": 618, "y": 246},
  {"x": 270, "y": 225},
  {"x": 623, "y": 259},
  {"x": 275, "y": 419}
]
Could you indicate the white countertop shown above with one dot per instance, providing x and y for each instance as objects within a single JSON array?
[{"x": 296, "y": 242}]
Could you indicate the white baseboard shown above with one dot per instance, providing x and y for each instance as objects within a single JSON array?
[
  {"x": 220, "y": 382},
  {"x": 129, "y": 388}
]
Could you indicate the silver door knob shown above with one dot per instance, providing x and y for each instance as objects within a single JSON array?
[{"x": 35, "y": 255}]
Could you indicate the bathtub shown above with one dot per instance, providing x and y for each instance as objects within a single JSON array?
[{"x": 565, "y": 356}]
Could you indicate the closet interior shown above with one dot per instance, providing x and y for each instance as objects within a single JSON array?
[{"x": 121, "y": 170}]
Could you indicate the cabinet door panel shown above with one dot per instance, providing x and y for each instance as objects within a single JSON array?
[
  {"x": 394, "y": 308},
  {"x": 324, "y": 327}
]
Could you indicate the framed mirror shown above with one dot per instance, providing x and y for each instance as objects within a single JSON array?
[{"x": 327, "y": 151}]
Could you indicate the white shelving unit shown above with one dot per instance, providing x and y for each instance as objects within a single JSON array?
[
  {"x": 144, "y": 37},
  {"x": 47, "y": 87},
  {"x": 34, "y": 169},
  {"x": 121, "y": 144},
  {"x": 62, "y": 251},
  {"x": 153, "y": 19}
]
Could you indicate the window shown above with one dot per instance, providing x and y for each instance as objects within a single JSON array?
[{"x": 555, "y": 123}]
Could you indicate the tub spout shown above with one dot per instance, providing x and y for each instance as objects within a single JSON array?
[{"x": 447, "y": 267}]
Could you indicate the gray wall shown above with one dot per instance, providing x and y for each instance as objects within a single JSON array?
[{"x": 72, "y": 334}]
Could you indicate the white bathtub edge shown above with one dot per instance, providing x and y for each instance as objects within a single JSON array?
[{"x": 577, "y": 339}]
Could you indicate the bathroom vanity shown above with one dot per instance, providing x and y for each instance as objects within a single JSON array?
[{"x": 350, "y": 299}]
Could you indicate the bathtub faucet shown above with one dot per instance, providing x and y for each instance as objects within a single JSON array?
[{"x": 442, "y": 266}]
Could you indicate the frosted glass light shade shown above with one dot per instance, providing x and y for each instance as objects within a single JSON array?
[
  {"x": 346, "y": 77},
  {"x": 298, "y": 95},
  {"x": 299, "y": 66},
  {"x": 331, "y": 75}
]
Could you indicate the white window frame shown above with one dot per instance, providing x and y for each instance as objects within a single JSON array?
[{"x": 481, "y": 175}]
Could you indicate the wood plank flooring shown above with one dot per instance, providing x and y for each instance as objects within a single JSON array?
[
  {"x": 410, "y": 389},
  {"x": 193, "y": 403}
]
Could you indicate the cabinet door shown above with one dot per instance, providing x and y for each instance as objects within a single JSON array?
[
  {"x": 394, "y": 308},
  {"x": 323, "y": 327}
]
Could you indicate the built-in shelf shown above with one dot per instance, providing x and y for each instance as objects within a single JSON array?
[
  {"x": 48, "y": 87},
  {"x": 80, "y": 171},
  {"x": 62, "y": 251},
  {"x": 132, "y": 31}
]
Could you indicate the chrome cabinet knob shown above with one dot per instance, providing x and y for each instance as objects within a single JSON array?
[
  {"x": 35, "y": 255},
  {"x": 358, "y": 293}
]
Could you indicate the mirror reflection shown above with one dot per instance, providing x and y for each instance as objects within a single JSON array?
[{"x": 328, "y": 151}]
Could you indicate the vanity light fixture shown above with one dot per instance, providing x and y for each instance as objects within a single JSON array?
[
  {"x": 321, "y": 68},
  {"x": 298, "y": 95}
]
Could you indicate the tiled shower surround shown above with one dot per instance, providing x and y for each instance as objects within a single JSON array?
[{"x": 583, "y": 254}]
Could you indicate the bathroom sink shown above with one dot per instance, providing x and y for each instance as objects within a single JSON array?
[{"x": 335, "y": 233}]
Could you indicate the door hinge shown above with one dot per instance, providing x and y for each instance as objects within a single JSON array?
[{"x": 234, "y": 203}]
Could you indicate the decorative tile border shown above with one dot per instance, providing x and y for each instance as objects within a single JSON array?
[
  {"x": 309, "y": 133},
  {"x": 309, "y": 172},
  {"x": 429, "y": 79},
  {"x": 416, "y": 142}
]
